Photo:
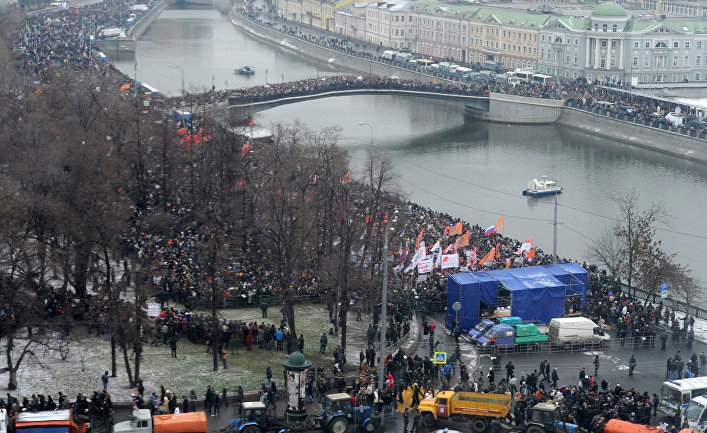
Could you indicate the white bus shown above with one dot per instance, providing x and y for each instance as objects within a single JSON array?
[
  {"x": 524, "y": 75},
  {"x": 676, "y": 394},
  {"x": 543, "y": 79}
]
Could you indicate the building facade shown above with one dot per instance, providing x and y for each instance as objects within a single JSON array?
[{"x": 609, "y": 47}]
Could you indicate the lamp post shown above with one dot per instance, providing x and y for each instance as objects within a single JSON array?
[
  {"x": 554, "y": 238},
  {"x": 180, "y": 70},
  {"x": 389, "y": 229},
  {"x": 370, "y": 149}
]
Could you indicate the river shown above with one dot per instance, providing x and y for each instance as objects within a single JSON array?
[{"x": 469, "y": 170}]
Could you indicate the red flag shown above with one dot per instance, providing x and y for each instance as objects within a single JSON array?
[
  {"x": 245, "y": 148},
  {"x": 488, "y": 256},
  {"x": 462, "y": 241},
  {"x": 455, "y": 230},
  {"x": 508, "y": 265},
  {"x": 419, "y": 239}
]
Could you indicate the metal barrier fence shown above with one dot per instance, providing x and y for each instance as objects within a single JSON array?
[
  {"x": 673, "y": 304},
  {"x": 648, "y": 342}
]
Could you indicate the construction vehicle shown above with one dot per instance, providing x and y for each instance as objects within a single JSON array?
[
  {"x": 335, "y": 418},
  {"x": 47, "y": 421},
  {"x": 480, "y": 408},
  {"x": 546, "y": 418},
  {"x": 142, "y": 421},
  {"x": 508, "y": 337}
]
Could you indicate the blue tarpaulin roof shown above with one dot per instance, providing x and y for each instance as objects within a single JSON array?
[{"x": 537, "y": 292}]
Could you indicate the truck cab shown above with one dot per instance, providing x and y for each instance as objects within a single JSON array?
[
  {"x": 502, "y": 336},
  {"x": 140, "y": 422},
  {"x": 545, "y": 418},
  {"x": 695, "y": 414},
  {"x": 479, "y": 329}
]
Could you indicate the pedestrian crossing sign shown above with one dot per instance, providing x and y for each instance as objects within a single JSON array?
[{"x": 440, "y": 357}]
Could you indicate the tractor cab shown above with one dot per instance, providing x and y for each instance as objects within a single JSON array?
[
  {"x": 340, "y": 412},
  {"x": 255, "y": 415},
  {"x": 546, "y": 418}
]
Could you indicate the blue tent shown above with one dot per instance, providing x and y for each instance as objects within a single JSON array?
[
  {"x": 463, "y": 288},
  {"x": 537, "y": 292}
]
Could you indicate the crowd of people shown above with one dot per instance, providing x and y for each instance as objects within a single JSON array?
[{"x": 63, "y": 37}]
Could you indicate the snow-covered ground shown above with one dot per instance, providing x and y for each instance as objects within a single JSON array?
[{"x": 89, "y": 356}]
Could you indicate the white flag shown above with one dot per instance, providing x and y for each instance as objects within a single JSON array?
[
  {"x": 450, "y": 261},
  {"x": 525, "y": 247},
  {"x": 438, "y": 262},
  {"x": 419, "y": 255},
  {"x": 435, "y": 247},
  {"x": 424, "y": 267}
]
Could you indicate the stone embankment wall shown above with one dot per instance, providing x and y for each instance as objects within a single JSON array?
[
  {"x": 517, "y": 109},
  {"x": 144, "y": 22}
]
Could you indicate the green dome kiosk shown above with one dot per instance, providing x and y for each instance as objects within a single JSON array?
[{"x": 296, "y": 367}]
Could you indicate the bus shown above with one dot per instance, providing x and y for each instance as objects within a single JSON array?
[
  {"x": 676, "y": 394},
  {"x": 542, "y": 78},
  {"x": 524, "y": 75}
]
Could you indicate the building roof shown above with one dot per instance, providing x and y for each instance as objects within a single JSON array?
[{"x": 609, "y": 9}]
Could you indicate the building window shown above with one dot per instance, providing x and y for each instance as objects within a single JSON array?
[
  {"x": 542, "y": 38},
  {"x": 698, "y": 61},
  {"x": 676, "y": 44},
  {"x": 567, "y": 40},
  {"x": 603, "y": 63},
  {"x": 576, "y": 41},
  {"x": 648, "y": 45},
  {"x": 613, "y": 44},
  {"x": 699, "y": 45},
  {"x": 646, "y": 63},
  {"x": 635, "y": 44},
  {"x": 603, "y": 44},
  {"x": 697, "y": 76},
  {"x": 604, "y": 28},
  {"x": 687, "y": 44},
  {"x": 575, "y": 58},
  {"x": 675, "y": 61},
  {"x": 635, "y": 62},
  {"x": 686, "y": 61},
  {"x": 614, "y": 28}
]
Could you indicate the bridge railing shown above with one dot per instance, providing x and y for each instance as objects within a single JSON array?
[{"x": 339, "y": 86}]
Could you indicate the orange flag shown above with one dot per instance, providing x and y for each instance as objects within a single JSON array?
[
  {"x": 245, "y": 148},
  {"x": 456, "y": 230},
  {"x": 499, "y": 223},
  {"x": 529, "y": 241},
  {"x": 461, "y": 242},
  {"x": 488, "y": 256},
  {"x": 531, "y": 253},
  {"x": 498, "y": 250},
  {"x": 419, "y": 238},
  {"x": 508, "y": 265}
]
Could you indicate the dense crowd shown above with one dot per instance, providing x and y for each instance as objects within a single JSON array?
[{"x": 63, "y": 37}]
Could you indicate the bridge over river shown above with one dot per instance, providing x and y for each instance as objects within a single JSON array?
[{"x": 493, "y": 107}]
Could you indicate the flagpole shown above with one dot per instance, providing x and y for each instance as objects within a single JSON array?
[
  {"x": 384, "y": 307},
  {"x": 554, "y": 241}
]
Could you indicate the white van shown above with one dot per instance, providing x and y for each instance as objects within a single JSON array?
[
  {"x": 389, "y": 54},
  {"x": 676, "y": 394},
  {"x": 568, "y": 331},
  {"x": 695, "y": 414}
]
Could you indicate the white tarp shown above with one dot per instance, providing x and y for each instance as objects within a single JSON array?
[{"x": 46, "y": 415}]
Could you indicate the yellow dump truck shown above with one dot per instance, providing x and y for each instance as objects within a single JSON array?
[{"x": 479, "y": 408}]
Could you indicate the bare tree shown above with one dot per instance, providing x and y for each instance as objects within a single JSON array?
[
  {"x": 605, "y": 250},
  {"x": 636, "y": 232}
]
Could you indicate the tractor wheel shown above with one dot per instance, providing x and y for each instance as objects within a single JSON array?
[
  {"x": 251, "y": 429},
  {"x": 338, "y": 425},
  {"x": 429, "y": 420},
  {"x": 369, "y": 427},
  {"x": 479, "y": 425},
  {"x": 534, "y": 429}
]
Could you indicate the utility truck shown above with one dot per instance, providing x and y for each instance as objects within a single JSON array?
[
  {"x": 141, "y": 421},
  {"x": 507, "y": 337},
  {"x": 479, "y": 408}
]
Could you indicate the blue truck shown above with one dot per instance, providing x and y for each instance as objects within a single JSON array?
[
  {"x": 525, "y": 336},
  {"x": 484, "y": 325}
]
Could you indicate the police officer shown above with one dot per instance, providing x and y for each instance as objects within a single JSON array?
[
  {"x": 631, "y": 365},
  {"x": 406, "y": 419}
]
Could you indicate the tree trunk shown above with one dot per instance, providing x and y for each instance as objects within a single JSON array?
[
  {"x": 127, "y": 364},
  {"x": 138, "y": 355},
  {"x": 83, "y": 252},
  {"x": 113, "y": 362},
  {"x": 12, "y": 383}
]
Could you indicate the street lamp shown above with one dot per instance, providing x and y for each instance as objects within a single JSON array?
[
  {"x": 180, "y": 70},
  {"x": 389, "y": 229},
  {"x": 371, "y": 149}
]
